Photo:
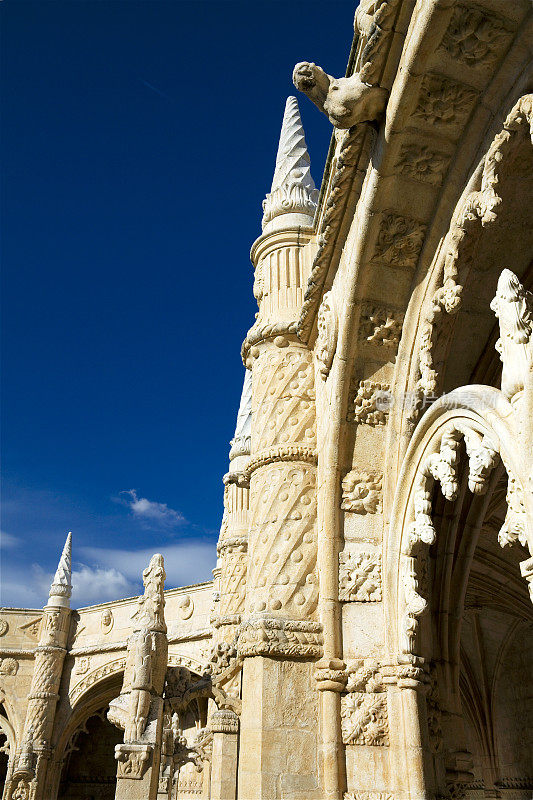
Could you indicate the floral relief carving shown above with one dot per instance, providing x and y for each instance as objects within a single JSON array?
[
  {"x": 370, "y": 403},
  {"x": 514, "y": 528},
  {"x": 422, "y": 163},
  {"x": 474, "y": 37},
  {"x": 327, "y": 334},
  {"x": 360, "y": 577},
  {"x": 444, "y": 103},
  {"x": 399, "y": 241},
  {"x": 4, "y": 626},
  {"x": 380, "y": 325},
  {"x": 368, "y": 796},
  {"x": 364, "y": 718},
  {"x": 361, "y": 492}
]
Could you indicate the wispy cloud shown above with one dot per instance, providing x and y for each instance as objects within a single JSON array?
[
  {"x": 7, "y": 540},
  {"x": 151, "y": 511},
  {"x": 186, "y": 562},
  {"x": 156, "y": 90}
]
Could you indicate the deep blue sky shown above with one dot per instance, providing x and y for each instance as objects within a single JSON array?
[{"x": 138, "y": 141}]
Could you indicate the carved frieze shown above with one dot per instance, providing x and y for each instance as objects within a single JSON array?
[
  {"x": 280, "y": 637},
  {"x": 474, "y": 37},
  {"x": 363, "y": 795},
  {"x": 369, "y": 404},
  {"x": 399, "y": 241},
  {"x": 444, "y": 104},
  {"x": 422, "y": 163},
  {"x": 360, "y": 577},
  {"x": 361, "y": 492}
]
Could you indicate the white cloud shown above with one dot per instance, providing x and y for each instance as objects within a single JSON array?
[
  {"x": 96, "y": 585},
  {"x": 152, "y": 511},
  {"x": 185, "y": 562},
  {"x": 28, "y": 588},
  {"x": 7, "y": 540}
]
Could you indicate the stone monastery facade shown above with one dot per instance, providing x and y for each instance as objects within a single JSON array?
[{"x": 368, "y": 634}]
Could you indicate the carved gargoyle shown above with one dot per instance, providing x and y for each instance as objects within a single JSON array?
[{"x": 345, "y": 101}]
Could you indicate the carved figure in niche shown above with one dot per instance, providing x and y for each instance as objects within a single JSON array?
[
  {"x": 21, "y": 790},
  {"x": 345, "y": 101},
  {"x": 106, "y": 620}
]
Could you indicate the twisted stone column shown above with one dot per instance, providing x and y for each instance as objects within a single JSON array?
[{"x": 29, "y": 777}]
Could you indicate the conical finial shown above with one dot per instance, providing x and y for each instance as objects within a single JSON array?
[
  {"x": 61, "y": 587},
  {"x": 240, "y": 444},
  {"x": 293, "y": 189}
]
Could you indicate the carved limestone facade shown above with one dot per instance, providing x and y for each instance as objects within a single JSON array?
[{"x": 368, "y": 633}]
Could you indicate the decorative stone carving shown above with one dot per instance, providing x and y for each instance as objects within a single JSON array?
[
  {"x": 444, "y": 103},
  {"x": 82, "y": 665},
  {"x": 280, "y": 637},
  {"x": 186, "y": 606},
  {"x": 327, "y": 334},
  {"x": 370, "y": 404},
  {"x": 94, "y": 677},
  {"x": 223, "y": 720},
  {"x": 4, "y": 626},
  {"x": 359, "y": 577},
  {"x": 422, "y": 163},
  {"x": 132, "y": 760},
  {"x": 293, "y": 189},
  {"x": 474, "y": 37},
  {"x": 357, "y": 795},
  {"x": 361, "y": 492},
  {"x": 513, "y": 306},
  {"x": 20, "y": 790},
  {"x": 9, "y": 666},
  {"x": 364, "y": 719},
  {"x": 31, "y": 628},
  {"x": 345, "y": 101},
  {"x": 354, "y": 145},
  {"x": 146, "y": 662},
  {"x": 477, "y": 211},
  {"x": 399, "y": 241},
  {"x": 514, "y": 528},
  {"x": 106, "y": 620},
  {"x": 380, "y": 325}
]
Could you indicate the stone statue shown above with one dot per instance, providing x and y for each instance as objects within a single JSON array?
[
  {"x": 345, "y": 101},
  {"x": 513, "y": 306}
]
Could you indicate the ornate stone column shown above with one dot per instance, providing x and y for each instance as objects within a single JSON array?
[
  {"x": 280, "y": 637},
  {"x": 29, "y": 776},
  {"x": 138, "y": 710},
  {"x": 232, "y": 547}
]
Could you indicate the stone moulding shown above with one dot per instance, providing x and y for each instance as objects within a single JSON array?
[
  {"x": 352, "y": 151},
  {"x": 283, "y": 453},
  {"x": 282, "y": 638}
]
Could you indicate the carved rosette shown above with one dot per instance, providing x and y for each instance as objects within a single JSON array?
[{"x": 361, "y": 492}]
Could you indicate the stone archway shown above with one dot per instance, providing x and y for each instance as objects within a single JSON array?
[{"x": 89, "y": 767}]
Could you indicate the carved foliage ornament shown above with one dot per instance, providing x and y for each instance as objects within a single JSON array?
[
  {"x": 360, "y": 577},
  {"x": 380, "y": 325},
  {"x": 474, "y": 37},
  {"x": 361, "y": 492},
  {"x": 399, "y": 241},
  {"x": 478, "y": 210},
  {"x": 422, "y": 163},
  {"x": 364, "y": 716},
  {"x": 327, "y": 334},
  {"x": 370, "y": 403},
  {"x": 444, "y": 103}
]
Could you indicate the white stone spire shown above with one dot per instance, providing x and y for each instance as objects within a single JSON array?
[
  {"x": 293, "y": 190},
  {"x": 61, "y": 587},
  {"x": 240, "y": 444}
]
